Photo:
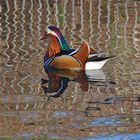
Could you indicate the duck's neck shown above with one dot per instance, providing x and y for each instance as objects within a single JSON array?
[
  {"x": 63, "y": 43},
  {"x": 54, "y": 47}
]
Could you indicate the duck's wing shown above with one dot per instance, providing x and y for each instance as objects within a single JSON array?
[
  {"x": 82, "y": 54},
  {"x": 99, "y": 58},
  {"x": 65, "y": 62}
]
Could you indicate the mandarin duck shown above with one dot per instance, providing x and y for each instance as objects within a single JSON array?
[{"x": 60, "y": 55}]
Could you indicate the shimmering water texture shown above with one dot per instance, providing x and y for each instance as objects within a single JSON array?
[{"x": 56, "y": 104}]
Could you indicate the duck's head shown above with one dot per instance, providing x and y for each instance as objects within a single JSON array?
[{"x": 55, "y": 32}]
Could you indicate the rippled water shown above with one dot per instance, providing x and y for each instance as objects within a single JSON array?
[{"x": 100, "y": 105}]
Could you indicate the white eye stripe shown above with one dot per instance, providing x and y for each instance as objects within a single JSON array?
[{"x": 51, "y": 32}]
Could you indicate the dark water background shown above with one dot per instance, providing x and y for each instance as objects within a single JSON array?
[{"x": 106, "y": 106}]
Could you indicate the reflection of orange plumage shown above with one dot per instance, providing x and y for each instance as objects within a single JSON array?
[
  {"x": 82, "y": 80},
  {"x": 54, "y": 83}
]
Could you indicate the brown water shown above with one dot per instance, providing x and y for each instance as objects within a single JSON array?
[{"x": 104, "y": 106}]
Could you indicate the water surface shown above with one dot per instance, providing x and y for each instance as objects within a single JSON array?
[{"x": 98, "y": 105}]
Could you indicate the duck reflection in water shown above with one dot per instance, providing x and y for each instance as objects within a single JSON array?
[{"x": 58, "y": 80}]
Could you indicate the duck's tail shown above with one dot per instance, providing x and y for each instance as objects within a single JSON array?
[
  {"x": 82, "y": 54},
  {"x": 96, "y": 62}
]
